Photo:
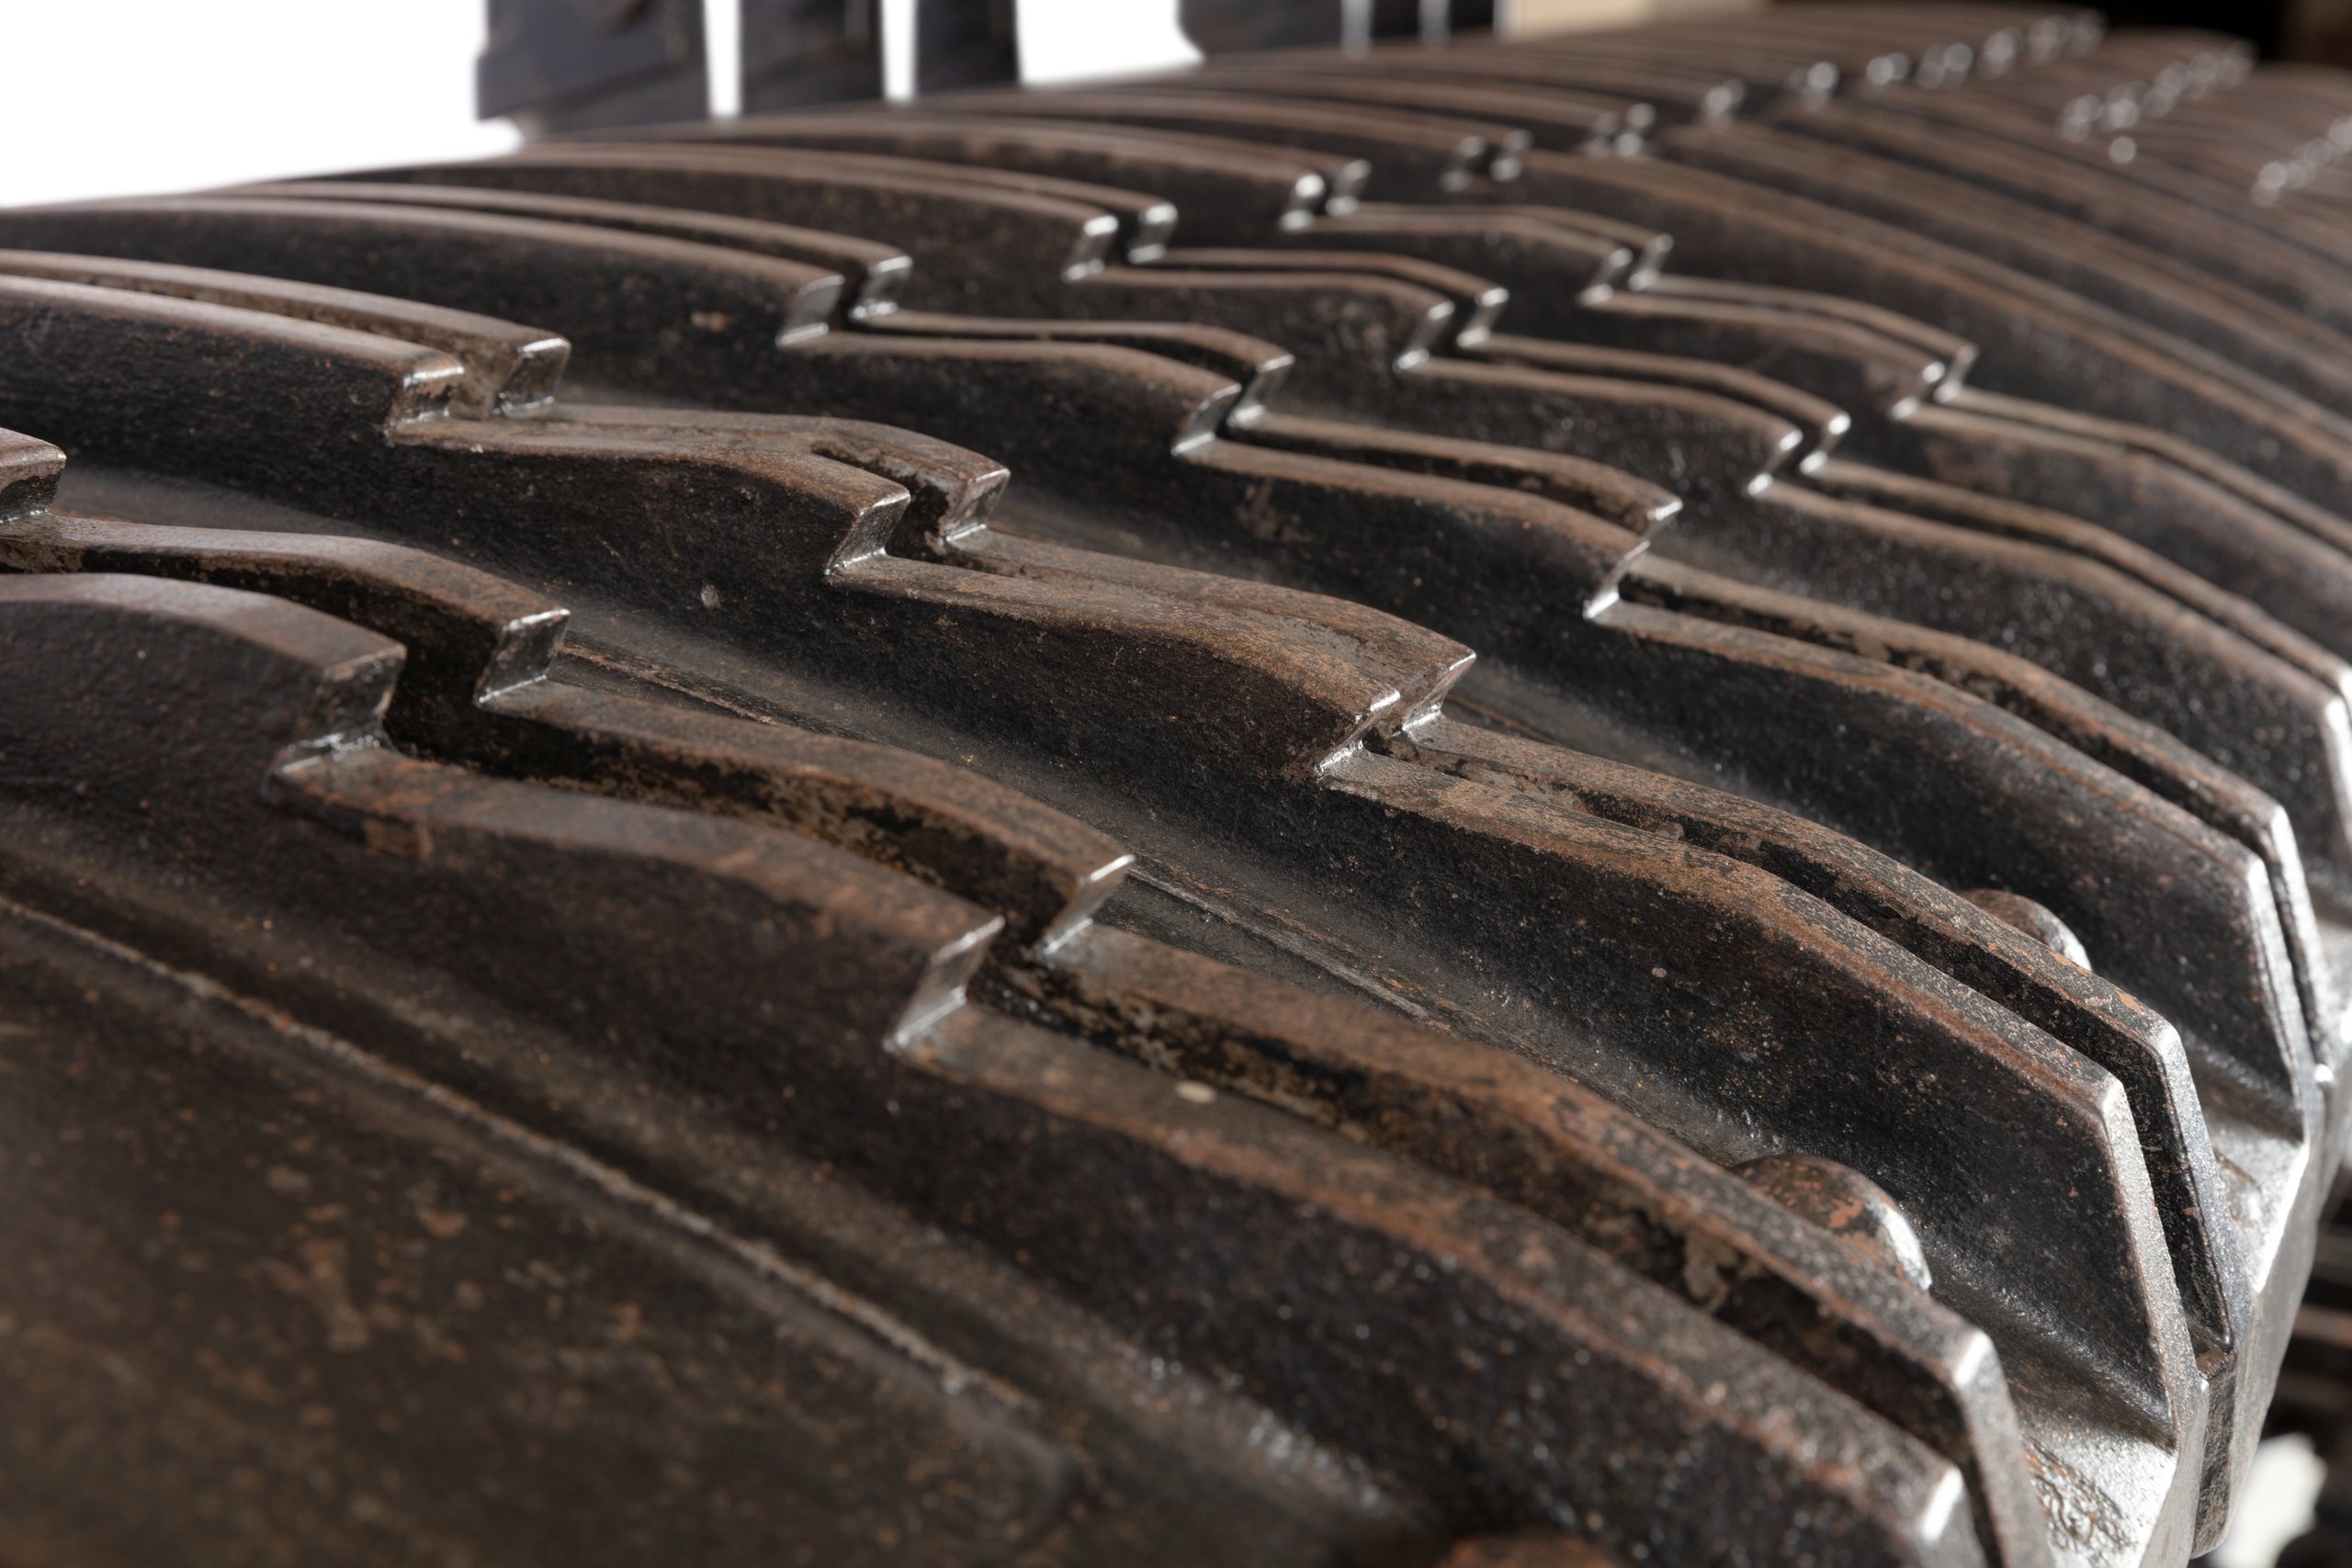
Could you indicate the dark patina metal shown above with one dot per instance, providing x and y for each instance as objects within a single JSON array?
[{"x": 1407, "y": 807}]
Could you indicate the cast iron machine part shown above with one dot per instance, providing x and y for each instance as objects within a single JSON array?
[{"x": 1578, "y": 801}]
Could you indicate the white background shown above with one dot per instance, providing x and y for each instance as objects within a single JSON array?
[
  {"x": 110, "y": 97},
  {"x": 113, "y": 98}
]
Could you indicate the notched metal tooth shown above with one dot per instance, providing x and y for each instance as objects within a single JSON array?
[
  {"x": 2187, "y": 457},
  {"x": 1375, "y": 326},
  {"x": 2106, "y": 1026},
  {"x": 237, "y": 690},
  {"x": 1955, "y": 353},
  {"x": 1477, "y": 301},
  {"x": 508, "y": 367},
  {"x": 2231, "y": 541},
  {"x": 699, "y": 302},
  {"x": 1692, "y": 442},
  {"x": 1039, "y": 1114},
  {"x": 2117, "y": 639},
  {"x": 475, "y": 691},
  {"x": 1226, "y": 191},
  {"x": 873, "y": 272},
  {"x": 970, "y": 237},
  {"x": 1486, "y": 1117},
  {"x": 1260, "y": 368},
  {"x": 2240, "y": 836},
  {"x": 1853, "y": 369},
  {"x": 2004, "y": 518},
  {"x": 1532, "y": 250},
  {"x": 378, "y": 382},
  {"x": 1705, "y": 920},
  {"x": 1821, "y": 424},
  {"x": 29, "y": 470},
  {"x": 1608, "y": 493},
  {"x": 1414, "y": 156}
]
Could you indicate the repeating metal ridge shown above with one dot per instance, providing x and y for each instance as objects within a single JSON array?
[{"x": 1474, "y": 804}]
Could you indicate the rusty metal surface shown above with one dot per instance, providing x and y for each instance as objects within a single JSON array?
[{"x": 1570, "y": 802}]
